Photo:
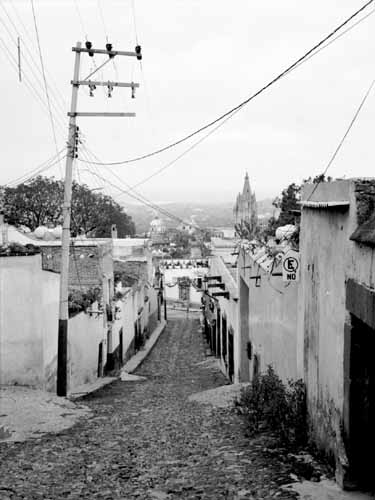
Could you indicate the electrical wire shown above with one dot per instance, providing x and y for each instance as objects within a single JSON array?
[
  {"x": 36, "y": 171},
  {"x": 143, "y": 201},
  {"x": 101, "y": 15},
  {"x": 239, "y": 106},
  {"x": 27, "y": 81},
  {"x": 62, "y": 103},
  {"x": 344, "y": 137},
  {"x": 78, "y": 10},
  {"x": 136, "y": 194},
  {"x": 138, "y": 197},
  {"x": 45, "y": 81},
  {"x": 134, "y": 21}
]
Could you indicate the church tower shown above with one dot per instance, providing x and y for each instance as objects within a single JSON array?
[{"x": 245, "y": 208}]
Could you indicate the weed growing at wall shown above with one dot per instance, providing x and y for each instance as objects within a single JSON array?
[{"x": 269, "y": 404}]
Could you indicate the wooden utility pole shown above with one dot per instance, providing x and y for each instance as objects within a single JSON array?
[{"x": 62, "y": 344}]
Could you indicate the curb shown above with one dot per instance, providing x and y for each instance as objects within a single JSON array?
[
  {"x": 84, "y": 390},
  {"x": 129, "y": 367},
  {"x": 133, "y": 363}
]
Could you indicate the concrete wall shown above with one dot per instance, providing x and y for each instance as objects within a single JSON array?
[
  {"x": 170, "y": 278},
  {"x": 29, "y": 299},
  {"x": 271, "y": 325},
  {"x": 227, "y": 308},
  {"x": 138, "y": 302},
  {"x": 85, "y": 334},
  {"x": 28, "y": 319},
  {"x": 179, "y": 268},
  {"x": 325, "y": 248}
]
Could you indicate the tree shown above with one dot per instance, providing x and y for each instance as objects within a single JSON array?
[
  {"x": 39, "y": 203},
  {"x": 289, "y": 201},
  {"x": 286, "y": 203},
  {"x": 34, "y": 204}
]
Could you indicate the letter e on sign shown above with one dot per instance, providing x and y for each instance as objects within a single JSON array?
[{"x": 291, "y": 266}]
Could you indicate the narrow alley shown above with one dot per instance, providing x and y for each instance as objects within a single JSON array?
[{"x": 147, "y": 441}]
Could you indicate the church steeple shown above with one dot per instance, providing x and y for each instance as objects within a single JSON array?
[
  {"x": 245, "y": 209},
  {"x": 246, "y": 192}
]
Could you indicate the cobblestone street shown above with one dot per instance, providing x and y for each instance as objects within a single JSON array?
[{"x": 147, "y": 441}]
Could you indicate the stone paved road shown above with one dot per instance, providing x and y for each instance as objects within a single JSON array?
[{"x": 147, "y": 441}]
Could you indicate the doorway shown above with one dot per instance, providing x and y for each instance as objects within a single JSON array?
[{"x": 362, "y": 403}]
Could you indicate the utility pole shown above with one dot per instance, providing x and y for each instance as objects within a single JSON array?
[{"x": 62, "y": 344}]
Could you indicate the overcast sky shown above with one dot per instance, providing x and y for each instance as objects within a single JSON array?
[{"x": 200, "y": 58}]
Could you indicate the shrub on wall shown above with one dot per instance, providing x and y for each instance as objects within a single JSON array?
[
  {"x": 269, "y": 404},
  {"x": 81, "y": 300},
  {"x": 16, "y": 249}
]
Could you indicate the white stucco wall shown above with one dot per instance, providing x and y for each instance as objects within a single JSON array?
[
  {"x": 325, "y": 263},
  {"x": 28, "y": 316},
  {"x": 228, "y": 307},
  {"x": 170, "y": 277},
  {"x": 85, "y": 335},
  {"x": 272, "y": 321}
]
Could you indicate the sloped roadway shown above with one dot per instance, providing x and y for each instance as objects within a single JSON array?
[{"x": 147, "y": 441}]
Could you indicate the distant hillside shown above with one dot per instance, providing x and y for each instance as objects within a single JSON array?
[{"x": 205, "y": 215}]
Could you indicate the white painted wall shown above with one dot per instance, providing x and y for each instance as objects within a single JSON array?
[
  {"x": 272, "y": 321},
  {"x": 28, "y": 316},
  {"x": 170, "y": 277},
  {"x": 85, "y": 334},
  {"x": 228, "y": 307},
  {"x": 29, "y": 304}
]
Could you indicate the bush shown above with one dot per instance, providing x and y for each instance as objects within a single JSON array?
[
  {"x": 271, "y": 405},
  {"x": 80, "y": 300},
  {"x": 16, "y": 249}
]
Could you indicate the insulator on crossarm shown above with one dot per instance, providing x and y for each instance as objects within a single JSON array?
[
  {"x": 88, "y": 47},
  {"x": 108, "y": 46},
  {"x": 110, "y": 90},
  {"x": 133, "y": 91},
  {"x": 92, "y": 87},
  {"x": 138, "y": 51}
]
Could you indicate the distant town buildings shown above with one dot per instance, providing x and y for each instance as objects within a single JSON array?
[{"x": 158, "y": 231}]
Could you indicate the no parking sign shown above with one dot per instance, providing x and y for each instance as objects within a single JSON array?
[{"x": 291, "y": 266}]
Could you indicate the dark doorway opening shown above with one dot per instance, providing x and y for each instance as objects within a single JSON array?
[
  {"x": 121, "y": 346},
  {"x": 213, "y": 336},
  {"x": 230, "y": 355},
  {"x": 218, "y": 333},
  {"x": 362, "y": 404},
  {"x": 224, "y": 339}
]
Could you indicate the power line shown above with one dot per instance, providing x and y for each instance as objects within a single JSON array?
[
  {"x": 239, "y": 106},
  {"x": 36, "y": 171},
  {"x": 80, "y": 18},
  {"x": 34, "y": 67},
  {"x": 342, "y": 140},
  {"x": 193, "y": 146},
  {"x": 133, "y": 194},
  {"x": 150, "y": 205},
  {"x": 27, "y": 81},
  {"x": 45, "y": 81},
  {"x": 134, "y": 21},
  {"x": 29, "y": 37}
]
